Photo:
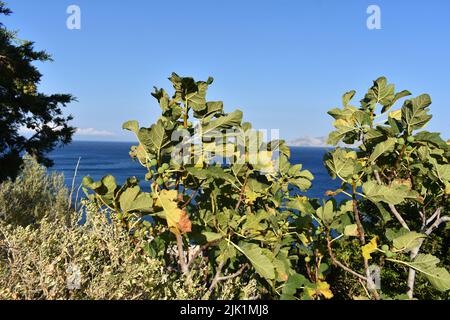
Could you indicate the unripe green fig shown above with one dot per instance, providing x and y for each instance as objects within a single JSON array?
[
  {"x": 355, "y": 177},
  {"x": 154, "y": 162},
  {"x": 148, "y": 176},
  {"x": 160, "y": 181},
  {"x": 165, "y": 166},
  {"x": 385, "y": 247},
  {"x": 410, "y": 139},
  {"x": 409, "y": 148},
  {"x": 359, "y": 184},
  {"x": 160, "y": 170},
  {"x": 401, "y": 141},
  {"x": 389, "y": 254},
  {"x": 307, "y": 259}
]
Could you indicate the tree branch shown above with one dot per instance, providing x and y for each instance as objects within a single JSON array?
[
  {"x": 392, "y": 207},
  {"x": 341, "y": 265},
  {"x": 190, "y": 199},
  {"x": 234, "y": 275},
  {"x": 436, "y": 224},
  {"x": 398, "y": 217},
  {"x": 200, "y": 249},
  {"x": 435, "y": 214},
  {"x": 415, "y": 251},
  {"x": 181, "y": 259},
  {"x": 217, "y": 276}
]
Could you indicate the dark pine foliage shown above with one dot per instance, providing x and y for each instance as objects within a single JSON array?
[{"x": 22, "y": 106}]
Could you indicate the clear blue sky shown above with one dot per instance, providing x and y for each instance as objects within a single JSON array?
[{"x": 284, "y": 63}]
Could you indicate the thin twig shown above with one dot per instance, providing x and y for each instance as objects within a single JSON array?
[
  {"x": 190, "y": 199},
  {"x": 199, "y": 250},
  {"x": 73, "y": 183},
  {"x": 234, "y": 275},
  {"x": 398, "y": 217},
  {"x": 217, "y": 276},
  {"x": 365, "y": 289},
  {"x": 241, "y": 195},
  {"x": 392, "y": 207},
  {"x": 435, "y": 214},
  {"x": 341, "y": 265},
  {"x": 76, "y": 197},
  {"x": 436, "y": 224},
  {"x": 361, "y": 233}
]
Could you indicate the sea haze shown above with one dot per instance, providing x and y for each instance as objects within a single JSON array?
[{"x": 101, "y": 158}]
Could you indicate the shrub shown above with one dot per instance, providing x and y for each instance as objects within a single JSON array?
[
  {"x": 397, "y": 185},
  {"x": 223, "y": 220},
  {"x": 33, "y": 195},
  {"x": 42, "y": 262}
]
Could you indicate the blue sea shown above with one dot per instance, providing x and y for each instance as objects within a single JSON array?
[{"x": 101, "y": 158}]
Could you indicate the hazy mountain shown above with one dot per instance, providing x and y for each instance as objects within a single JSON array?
[{"x": 308, "y": 141}]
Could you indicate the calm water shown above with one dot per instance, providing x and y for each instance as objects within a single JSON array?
[{"x": 101, "y": 158}]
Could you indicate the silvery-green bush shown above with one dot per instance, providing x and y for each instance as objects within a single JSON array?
[
  {"x": 94, "y": 260},
  {"x": 33, "y": 195}
]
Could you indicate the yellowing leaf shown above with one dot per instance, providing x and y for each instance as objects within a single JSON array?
[
  {"x": 351, "y": 230},
  {"x": 351, "y": 155},
  {"x": 360, "y": 298},
  {"x": 447, "y": 188},
  {"x": 199, "y": 163},
  {"x": 304, "y": 239},
  {"x": 404, "y": 182},
  {"x": 177, "y": 219},
  {"x": 250, "y": 196},
  {"x": 184, "y": 225},
  {"x": 322, "y": 289},
  {"x": 397, "y": 114},
  {"x": 343, "y": 123},
  {"x": 369, "y": 248}
]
